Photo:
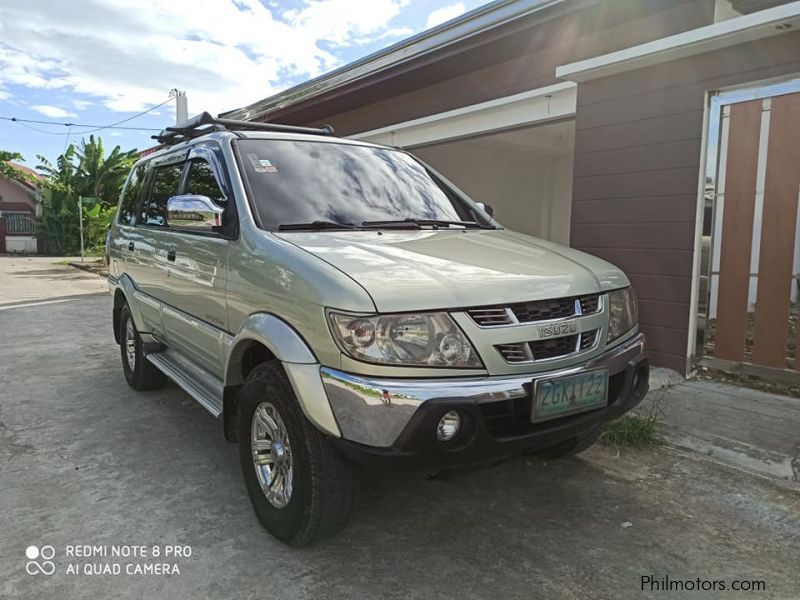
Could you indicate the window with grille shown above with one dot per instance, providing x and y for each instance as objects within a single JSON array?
[{"x": 19, "y": 223}]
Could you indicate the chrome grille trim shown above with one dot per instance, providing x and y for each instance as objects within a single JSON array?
[
  {"x": 523, "y": 353},
  {"x": 515, "y": 314}
]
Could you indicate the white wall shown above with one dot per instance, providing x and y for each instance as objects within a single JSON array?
[
  {"x": 23, "y": 244},
  {"x": 526, "y": 176}
]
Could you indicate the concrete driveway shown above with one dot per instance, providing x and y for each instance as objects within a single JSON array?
[
  {"x": 84, "y": 460},
  {"x": 43, "y": 278}
]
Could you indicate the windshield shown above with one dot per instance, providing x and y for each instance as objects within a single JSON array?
[{"x": 299, "y": 183}]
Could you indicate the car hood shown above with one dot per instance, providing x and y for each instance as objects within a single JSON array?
[{"x": 432, "y": 269}]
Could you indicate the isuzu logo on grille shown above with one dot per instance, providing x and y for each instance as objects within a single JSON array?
[{"x": 556, "y": 329}]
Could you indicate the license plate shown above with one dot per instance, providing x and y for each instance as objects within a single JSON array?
[{"x": 561, "y": 396}]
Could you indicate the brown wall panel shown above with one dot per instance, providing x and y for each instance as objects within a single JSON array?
[
  {"x": 778, "y": 232},
  {"x": 667, "y": 182},
  {"x": 608, "y": 119},
  {"x": 639, "y": 134},
  {"x": 737, "y": 229},
  {"x": 652, "y": 209},
  {"x": 634, "y": 236},
  {"x": 667, "y": 155}
]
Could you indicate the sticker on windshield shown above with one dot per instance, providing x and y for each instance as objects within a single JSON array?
[{"x": 261, "y": 165}]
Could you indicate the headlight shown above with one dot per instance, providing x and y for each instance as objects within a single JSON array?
[
  {"x": 624, "y": 312},
  {"x": 416, "y": 339}
]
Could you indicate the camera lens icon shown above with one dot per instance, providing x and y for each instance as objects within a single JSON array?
[{"x": 43, "y": 567}]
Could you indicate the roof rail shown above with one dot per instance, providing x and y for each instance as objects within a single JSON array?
[{"x": 206, "y": 123}]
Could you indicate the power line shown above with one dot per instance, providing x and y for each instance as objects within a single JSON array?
[
  {"x": 92, "y": 128},
  {"x": 95, "y": 127}
]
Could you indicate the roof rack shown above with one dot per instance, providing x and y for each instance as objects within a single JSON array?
[{"x": 206, "y": 123}]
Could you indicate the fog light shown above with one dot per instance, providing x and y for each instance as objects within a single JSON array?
[{"x": 448, "y": 426}]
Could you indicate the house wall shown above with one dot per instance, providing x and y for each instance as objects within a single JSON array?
[
  {"x": 13, "y": 197},
  {"x": 637, "y": 158},
  {"x": 522, "y": 57}
]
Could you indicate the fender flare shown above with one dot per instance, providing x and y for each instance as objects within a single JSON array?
[
  {"x": 125, "y": 284},
  {"x": 299, "y": 363}
]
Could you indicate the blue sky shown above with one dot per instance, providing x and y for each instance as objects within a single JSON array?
[{"x": 101, "y": 61}]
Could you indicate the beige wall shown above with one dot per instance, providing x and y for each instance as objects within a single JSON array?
[
  {"x": 11, "y": 192},
  {"x": 526, "y": 176}
]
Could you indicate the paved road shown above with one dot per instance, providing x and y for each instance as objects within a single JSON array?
[
  {"x": 43, "y": 278},
  {"x": 85, "y": 460}
]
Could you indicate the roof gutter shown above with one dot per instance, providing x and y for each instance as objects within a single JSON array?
[{"x": 477, "y": 21}]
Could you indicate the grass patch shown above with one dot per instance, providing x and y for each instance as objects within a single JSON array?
[
  {"x": 633, "y": 430},
  {"x": 639, "y": 428}
]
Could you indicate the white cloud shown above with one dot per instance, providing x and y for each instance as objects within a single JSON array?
[
  {"x": 52, "y": 111},
  {"x": 81, "y": 104},
  {"x": 444, "y": 14},
  {"x": 128, "y": 54}
]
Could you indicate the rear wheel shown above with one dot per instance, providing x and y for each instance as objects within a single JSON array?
[
  {"x": 140, "y": 373},
  {"x": 301, "y": 489}
]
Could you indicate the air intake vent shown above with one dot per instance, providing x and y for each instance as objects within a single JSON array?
[
  {"x": 515, "y": 353},
  {"x": 543, "y": 310},
  {"x": 588, "y": 338},
  {"x": 491, "y": 317},
  {"x": 590, "y": 304}
]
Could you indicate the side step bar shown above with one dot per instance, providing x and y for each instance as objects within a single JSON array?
[{"x": 200, "y": 385}]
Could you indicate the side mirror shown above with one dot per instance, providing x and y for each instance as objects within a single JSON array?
[
  {"x": 198, "y": 213},
  {"x": 487, "y": 208}
]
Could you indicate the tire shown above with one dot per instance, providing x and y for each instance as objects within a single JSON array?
[
  {"x": 140, "y": 373},
  {"x": 571, "y": 447},
  {"x": 323, "y": 487}
]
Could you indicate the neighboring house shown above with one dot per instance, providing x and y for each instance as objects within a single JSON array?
[
  {"x": 20, "y": 205},
  {"x": 595, "y": 123}
]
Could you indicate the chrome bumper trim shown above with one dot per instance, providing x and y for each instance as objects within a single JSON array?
[{"x": 374, "y": 411}]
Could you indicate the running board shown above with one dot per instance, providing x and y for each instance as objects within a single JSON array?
[{"x": 196, "y": 382}]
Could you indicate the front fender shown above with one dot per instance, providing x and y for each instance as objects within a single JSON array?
[{"x": 299, "y": 363}]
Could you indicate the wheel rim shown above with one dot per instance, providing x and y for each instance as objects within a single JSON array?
[
  {"x": 272, "y": 454},
  {"x": 130, "y": 345}
]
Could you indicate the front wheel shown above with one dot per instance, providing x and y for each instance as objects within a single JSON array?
[{"x": 301, "y": 489}]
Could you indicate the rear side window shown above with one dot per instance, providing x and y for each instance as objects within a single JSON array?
[
  {"x": 201, "y": 181},
  {"x": 165, "y": 185},
  {"x": 129, "y": 202}
]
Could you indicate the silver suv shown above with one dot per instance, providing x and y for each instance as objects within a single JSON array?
[{"x": 340, "y": 304}]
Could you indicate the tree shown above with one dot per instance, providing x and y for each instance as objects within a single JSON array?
[
  {"x": 81, "y": 172},
  {"x": 9, "y": 171}
]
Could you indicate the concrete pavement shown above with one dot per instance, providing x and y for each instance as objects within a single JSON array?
[
  {"x": 84, "y": 460},
  {"x": 43, "y": 278}
]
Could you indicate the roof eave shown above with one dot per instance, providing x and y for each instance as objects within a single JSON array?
[{"x": 732, "y": 32}]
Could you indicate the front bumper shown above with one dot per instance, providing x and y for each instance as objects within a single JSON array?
[{"x": 394, "y": 421}]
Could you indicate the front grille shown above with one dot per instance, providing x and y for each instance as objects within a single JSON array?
[
  {"x": 554, "y": 347},
  {"x": 510, "y": 418},
  {"x": 543, "y": 310},
  {"x": 535, "y": 310},
  {"x": 525, "y": 352}
]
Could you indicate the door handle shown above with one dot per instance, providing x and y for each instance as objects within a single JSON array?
[
  {"x": 131, "y": 246},
  {"x": 171, "y": 255}
]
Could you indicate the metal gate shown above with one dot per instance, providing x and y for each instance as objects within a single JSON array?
[{"x": 752, "y": 303}]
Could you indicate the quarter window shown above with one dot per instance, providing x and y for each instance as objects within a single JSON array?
[
  {"x": 129, "y": 202},
  {"x": 165, "y": 185},
  {"x": 201, "y": 181}
]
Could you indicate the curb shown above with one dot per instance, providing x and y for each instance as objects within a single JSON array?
[{"x": 780, "y": 468}]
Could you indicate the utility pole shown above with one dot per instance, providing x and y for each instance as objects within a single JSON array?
[
  {"x": 181, "y": 106},
  {"x": 80, "y": 217}
]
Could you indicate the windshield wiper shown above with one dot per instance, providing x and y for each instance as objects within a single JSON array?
[
  {"x": 314, "y": 226},
  {"x": 421, "y": 223}
]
